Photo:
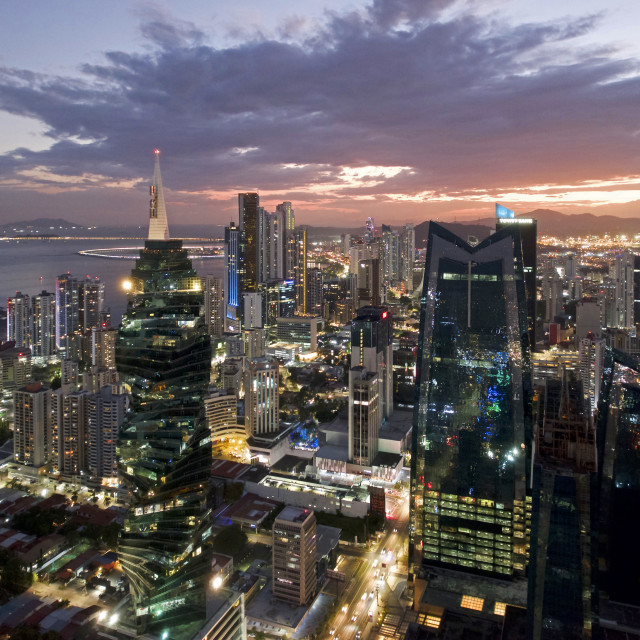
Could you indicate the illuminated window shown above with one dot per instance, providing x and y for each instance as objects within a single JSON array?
[
  {"x": 433, "y": 622},
  {"x": 500, "y": 608},
  {"x": 469, "y": 602}
]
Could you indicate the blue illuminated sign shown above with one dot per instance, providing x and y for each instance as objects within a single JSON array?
[{"x": 503, "y": 212}]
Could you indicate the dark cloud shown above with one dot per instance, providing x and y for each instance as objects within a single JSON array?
[{"x": 466, "y": 103}]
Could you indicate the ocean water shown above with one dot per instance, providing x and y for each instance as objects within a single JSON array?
[{"x": 31, "y": 266}]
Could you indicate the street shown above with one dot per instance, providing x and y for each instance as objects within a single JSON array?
[{"x": 366, "y": 588}]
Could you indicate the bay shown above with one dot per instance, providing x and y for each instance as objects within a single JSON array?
[{"x": 31, "y": 266}]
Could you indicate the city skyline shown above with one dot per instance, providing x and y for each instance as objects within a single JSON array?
[
  {"x": 451, "y": 430},
  {"x": 399, "y": 110}
]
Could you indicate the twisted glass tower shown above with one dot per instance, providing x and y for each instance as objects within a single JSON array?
[
  {"x": 472, "y": 424},
  {"x": 163, "y": 354}
]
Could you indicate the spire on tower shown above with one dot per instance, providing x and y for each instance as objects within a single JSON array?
[{"x": 158, "y": 224}]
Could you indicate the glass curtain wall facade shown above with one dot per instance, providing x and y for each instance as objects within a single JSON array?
[
  {"x": 472, "y": 420},
  {"x": 163, "y": 354},
  {"x": 561, "y": 595},
  {"x": 618, "y": 439},
  {"x": 248, "y": 205}
]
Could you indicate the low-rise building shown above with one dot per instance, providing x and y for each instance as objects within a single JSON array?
[{"x": 301, "y": 330}]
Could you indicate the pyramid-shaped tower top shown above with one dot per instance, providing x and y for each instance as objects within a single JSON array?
[{"x": 158, "y": 223}]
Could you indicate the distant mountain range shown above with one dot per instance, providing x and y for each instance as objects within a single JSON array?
[
  {"x": 42, "y": 226},
  {"x": 551, "y": 223}
]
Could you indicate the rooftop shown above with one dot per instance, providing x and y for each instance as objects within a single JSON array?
[
  {"x": 333, "y": 452},
  {"x": 228, "y": 469},
  {"x": 384, "y": 459},
  {"x": 251, "y": 509},
  {"x": 294, "y": 514},
  {"x": 445, "y": 587},
  {"x": 291, "y": 464},
  {"x": 397, "y": 425},
  {"x": 327, "y": 539}
]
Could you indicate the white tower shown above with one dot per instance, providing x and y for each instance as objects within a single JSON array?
[{"x": 158, "y": 225}]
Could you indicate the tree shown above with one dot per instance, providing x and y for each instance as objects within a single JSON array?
[
  {"x": 231, "y": 541},
  {"x": 38, "y": 522},
  {"x": 233, "y": 491},
  {"x": 92, "y": 532},
  {"x": 5, "y": 431},
  {"x": 33, "y": 632},
  {"x": 14, "y": 576},
  {"x": 110, "y": 535}
]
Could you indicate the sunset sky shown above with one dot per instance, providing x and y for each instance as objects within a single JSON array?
[{"x": 404, "y": 110}]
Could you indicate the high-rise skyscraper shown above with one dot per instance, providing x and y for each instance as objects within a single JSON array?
[
  {"x": 407, "y": 255},
  {"x": 619, "y": 490},
  {"x": 32, "y": 442},
  {"x": 214, "y": 305},
  {"x": 315, "y": 283},
  {"x": 562, "y": 570},
  {"x": 15, "y": 366},
  {"x": 300, "y": 271},
  {"x": 528, "y": 228},
  {"x": 67, "y": 314},
  {"x": 43, "y": 308},
  {"x": 261, "y": 397},
  {"x": 250, "y": 241},
  {"x": 91, "y": 304},
  {"x": 287, "y": 299},
  {"x": 105, "y": 413},
  {"x": 591, "y": 350},
  {"x": 272, "y": 240},
  {"x": 163, "y": 355},
  {"x": 20, "y": 320},
  {"x": 270, "y": 292},
  {"x": 472, "y": 421},
  {"x": 371, "y": 339},
  {"x": 233, "y": 272},
  {"x": 252, "y": 310},
  {"x": 552, "y": 293},
  {"x": 254, "y": 343},
  {"x": 289, "y": 239},
  {"x": 369, "y": 230},
  {"x": 636, "y": 290},
  {"x": 370, "y": 381},
  {"x": 294, "y": 555},
  {"x": 390, "y": 255},
  {"x": 622, "y": 311},
  {"x": 79, "y": 303},
  {"x": 103, "y": 347},
  {"x": 370, "y": 288},
  {"x": 364, "y": 415},
  {"x": 73, "y": 431}
]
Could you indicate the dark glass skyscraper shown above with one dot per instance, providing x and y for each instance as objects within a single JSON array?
[
  {"x": 563, "y": 550},
  {"x": 528, "y": 228},
  {"x": 249, "y": 219},
  {"x": 232, "y": 266},
  {"x": 618, "y": 437},
  {"x": 163, "y": 354},
  {"x": 472, "y": 425}
]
